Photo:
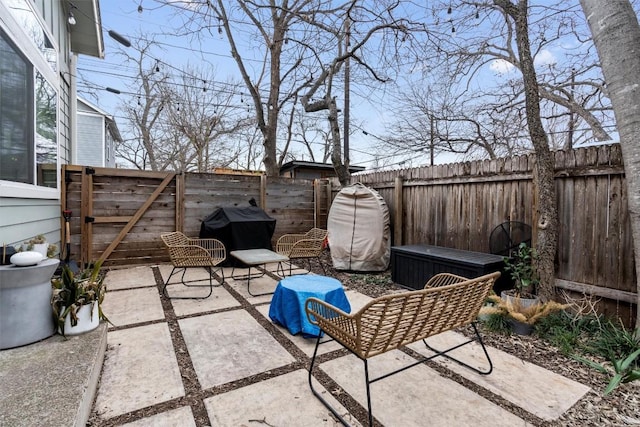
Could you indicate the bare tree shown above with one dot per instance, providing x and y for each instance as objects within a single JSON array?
[
  {"x": 301, "y": 44},
  {"x": 350, "y": 31},
  {"x": 543, "y": 179},
  {"x": 573, "y": 104},
  {"x": 616, "y": 34},
  {"x": 145, "y": 113},
  {"x": 202, "y": 118}
]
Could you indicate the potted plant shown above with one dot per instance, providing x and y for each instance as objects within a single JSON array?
[
  {"x": 523, "y": 273},
  {"x": 38, "y": 244},
  {"x": 521, "y": 317},
  {"x": 77, "y": 300}
]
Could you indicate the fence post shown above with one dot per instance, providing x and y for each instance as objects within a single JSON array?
[
  {"x": 263, "y": 192},
  {"x": 179, "y": 219},
  {"x": 397, "y": 214}
]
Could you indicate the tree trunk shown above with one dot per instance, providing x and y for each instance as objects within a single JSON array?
[
  {"x": 543, "y": 179},
  {"x": 336, "y": 156},
  {"x": 616, "y": 34}
]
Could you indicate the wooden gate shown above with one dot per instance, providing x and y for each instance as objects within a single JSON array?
[
  {"x": 118, "y": 214},
  {"x": 115, "y": 216}
]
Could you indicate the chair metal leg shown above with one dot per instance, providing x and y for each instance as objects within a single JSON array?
[
  {"x": 477, "y": 338},
  {"x": 249, "y": 285},
  {"x": 368, "y": 384},
  {"x": 184, "y": 270},
  {"x": 316, "y": 393}
]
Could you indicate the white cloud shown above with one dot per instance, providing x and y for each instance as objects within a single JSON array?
[
  {"x": 501, "y": 66},
  {"x": 545, "y": 57}
]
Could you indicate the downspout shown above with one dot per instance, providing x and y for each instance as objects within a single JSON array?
[{"x": 73, "y": 107}]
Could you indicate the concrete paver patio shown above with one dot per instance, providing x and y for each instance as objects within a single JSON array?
[
  {"x": 229, "y": 337},
  {"x": 242, "y": 370}
]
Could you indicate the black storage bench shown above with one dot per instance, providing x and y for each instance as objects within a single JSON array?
[{"x": 413, "y": 265}]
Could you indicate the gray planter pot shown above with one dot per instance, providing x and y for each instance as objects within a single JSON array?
[{"x": 520, "y": 328}]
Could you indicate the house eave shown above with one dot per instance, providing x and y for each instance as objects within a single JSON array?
[{"x": 86, "y": 34}]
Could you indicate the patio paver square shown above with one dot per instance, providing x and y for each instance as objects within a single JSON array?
[
  {"x": 229, "y": 346},
  {"x": 140, "y": 370},
  {"x": 282, "y": 401},
  {"x": 536, "y": 390},
  {"x": 132, "y": 306},
  {"x": 220, "y": 298},
  {"x": 182, "y": 417},
  {"x": 136, "y": 277},
  {"x": 417, "y": 396},
  {"x": 259, "y": 285}
]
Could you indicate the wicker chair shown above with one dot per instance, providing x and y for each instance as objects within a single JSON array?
[
  {"x": 303, "y": 246},
  {"x": 392, "y": 321},
  {"x": 187, "y": 252}
]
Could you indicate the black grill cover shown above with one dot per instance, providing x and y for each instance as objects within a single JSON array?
[{"x": 239, "y": 228}]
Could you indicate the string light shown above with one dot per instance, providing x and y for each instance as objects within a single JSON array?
[
  {"x": 71, "y": 19},
  {"x": 157, "y": 65},
  {"x": 140, "y": 8}
]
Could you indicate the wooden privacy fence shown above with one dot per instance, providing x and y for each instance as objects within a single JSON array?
[
  {"x": 118, "y": 214},
  {"x": 458, "y": 205}
]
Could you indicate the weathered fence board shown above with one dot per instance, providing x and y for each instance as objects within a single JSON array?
[
  {"x": 459, "y": 205},
  {"x": 447, "y": 205},
  {"x": 113, "y": 201}
]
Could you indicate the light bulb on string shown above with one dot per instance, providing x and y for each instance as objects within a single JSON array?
[
  {"x": 157, "y": 66},
  {"x": 139, "y": 103},
  {"x": 178, "y": 107},
  {"x": 449, "y": 10},
  {"x": 140, "y": 8}
]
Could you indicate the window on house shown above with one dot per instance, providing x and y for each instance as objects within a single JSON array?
[
  {"x": 28, "y": 120},
  {"x": 16, "y": 105}
]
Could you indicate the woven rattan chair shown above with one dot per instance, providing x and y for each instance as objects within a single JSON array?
[
  {"x": 386, "y": 323},
  {"x": 188, "y": 252},
  {"x": 303, "y": 246}
]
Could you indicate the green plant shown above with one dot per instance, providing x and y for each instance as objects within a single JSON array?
[
  {"x": 51, "y": 250},
  {"x": 613, "y": 341},
  {"x": 626, "y": 370},
  {"x": 72, "y": 291},
  {"x": 566, "y": 331},
  {"x": 520, "y": 267},
  {"x": 497, "y": 322}
]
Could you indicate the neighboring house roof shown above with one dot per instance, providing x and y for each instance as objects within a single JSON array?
[
  {"x": 111, "y": 123},
  {"x": 86, "y": 34},
  {"x": 295, "y": 164}
]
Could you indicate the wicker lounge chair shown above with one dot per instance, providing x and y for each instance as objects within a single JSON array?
[
  {"x": 392, "y": 321},
  {"x": 303, "y": 246},
  {"x": 187, "y": 252}
]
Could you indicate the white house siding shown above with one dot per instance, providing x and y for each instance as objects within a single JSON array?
[
  {"x": 28, "y": 210},
  {"x": 90, "y": 133},
  {"x": 21, "y": 219}
]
